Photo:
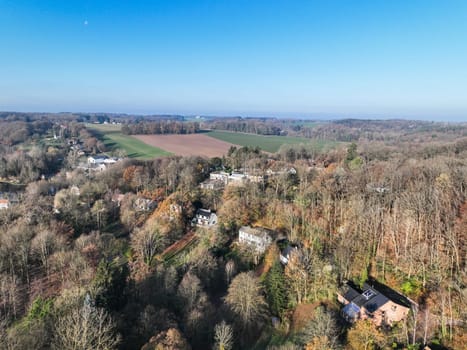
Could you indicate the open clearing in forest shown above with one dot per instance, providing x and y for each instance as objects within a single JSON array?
[
  {"x": 208, "y": 144},
  {"x": 188, "y": 145},
  {"x": 112, "y": 137}
]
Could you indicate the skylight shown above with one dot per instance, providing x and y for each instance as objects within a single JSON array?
[{"x": 369, "y": 293}]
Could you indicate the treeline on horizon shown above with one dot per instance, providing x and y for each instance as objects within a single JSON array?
[
  {"x": 343, "y": 130},
  {"x": 160, "y": 127},
  {"x": 259, "y": 126}
]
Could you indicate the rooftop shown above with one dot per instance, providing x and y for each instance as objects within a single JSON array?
[
  {"x": 372, "y": 295},
  {"x": 204, "y": 212},
  {"x": 256, "y": 231}
]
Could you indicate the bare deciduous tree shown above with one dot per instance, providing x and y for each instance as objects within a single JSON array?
[
  {"x": 147, "y": 242},
  {"x": 44, "y": 244},
  {"x": 84, "y": 328},
  {"x": 245, "y": 299},
  {"x": 9, "y": 295},
  {"x": 190, "y": 290},
  {"x": 223, "y": 336},
  {"x": 322, "y": 330}
]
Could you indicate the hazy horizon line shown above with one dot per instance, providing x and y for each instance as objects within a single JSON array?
[{"x": 271, "y": 115}]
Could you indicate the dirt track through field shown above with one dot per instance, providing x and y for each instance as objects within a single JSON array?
[{"x": 188, "y": 145}]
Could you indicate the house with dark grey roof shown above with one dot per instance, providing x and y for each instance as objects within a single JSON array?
[
  {"x": 286, "y": 253},
  {"x": 374, "y": 301}
]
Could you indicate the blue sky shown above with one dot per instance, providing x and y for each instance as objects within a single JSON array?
[{"x": 372, "y": 58}]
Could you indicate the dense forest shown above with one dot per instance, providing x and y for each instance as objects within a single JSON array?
[
  {"x": 84, "y": 266},
  {"x": 260, "y": 126},
  {"x": 160, "y": 127},
  {"x": 346, "y": 130}
]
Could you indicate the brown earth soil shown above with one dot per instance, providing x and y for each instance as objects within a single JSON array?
[
  {"x": 187, "y": 145},
  {"x": 302, "y": 315},
  {"x": 179, "y": 245}
]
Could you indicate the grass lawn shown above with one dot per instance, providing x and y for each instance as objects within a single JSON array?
[
  {"x": 114, "y": 139},
  {"x": 266, "y": 143}
]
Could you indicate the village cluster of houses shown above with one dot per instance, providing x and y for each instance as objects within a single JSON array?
[
  {"x": 219, "y": 179},
  {"x": 100, "y": 162},
  {"x": 374, "y": 301}
]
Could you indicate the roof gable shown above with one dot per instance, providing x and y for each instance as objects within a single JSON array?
[{"x": 373, "y": 295}]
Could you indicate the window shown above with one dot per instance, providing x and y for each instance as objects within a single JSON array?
[{"x": 393, "y": 308}]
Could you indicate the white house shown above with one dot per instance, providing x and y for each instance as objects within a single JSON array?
[
  {"x": 212, "y": 184},
  {"x": 219, "y": 175},
  {"x": 204, "y": 217},
  {"x": 257, "y": 237},
  {"x": 255, "y": 178},
  {"x": 97, "y": 167},
  {"x": 110, "y": 161},
  {"x": 100, "y": 159},
  {"x": 237, "y": 178}
]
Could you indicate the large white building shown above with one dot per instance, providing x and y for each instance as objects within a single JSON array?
[
  {"x": 101, "y": 159},
  {"x": 94, "y": 160},
  {"x": 219, "y": 175},
  {"x": 256, "y": 237}
]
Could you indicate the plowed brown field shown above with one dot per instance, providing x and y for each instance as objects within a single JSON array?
[{"x": 187, "y": 145}]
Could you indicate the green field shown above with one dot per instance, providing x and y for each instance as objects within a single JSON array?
[
  {"x": 114, "y": 139},
  {"x": 266, "y": 143}
]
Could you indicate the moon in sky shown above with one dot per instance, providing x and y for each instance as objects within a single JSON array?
[{"x": 85, "y": 22}]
